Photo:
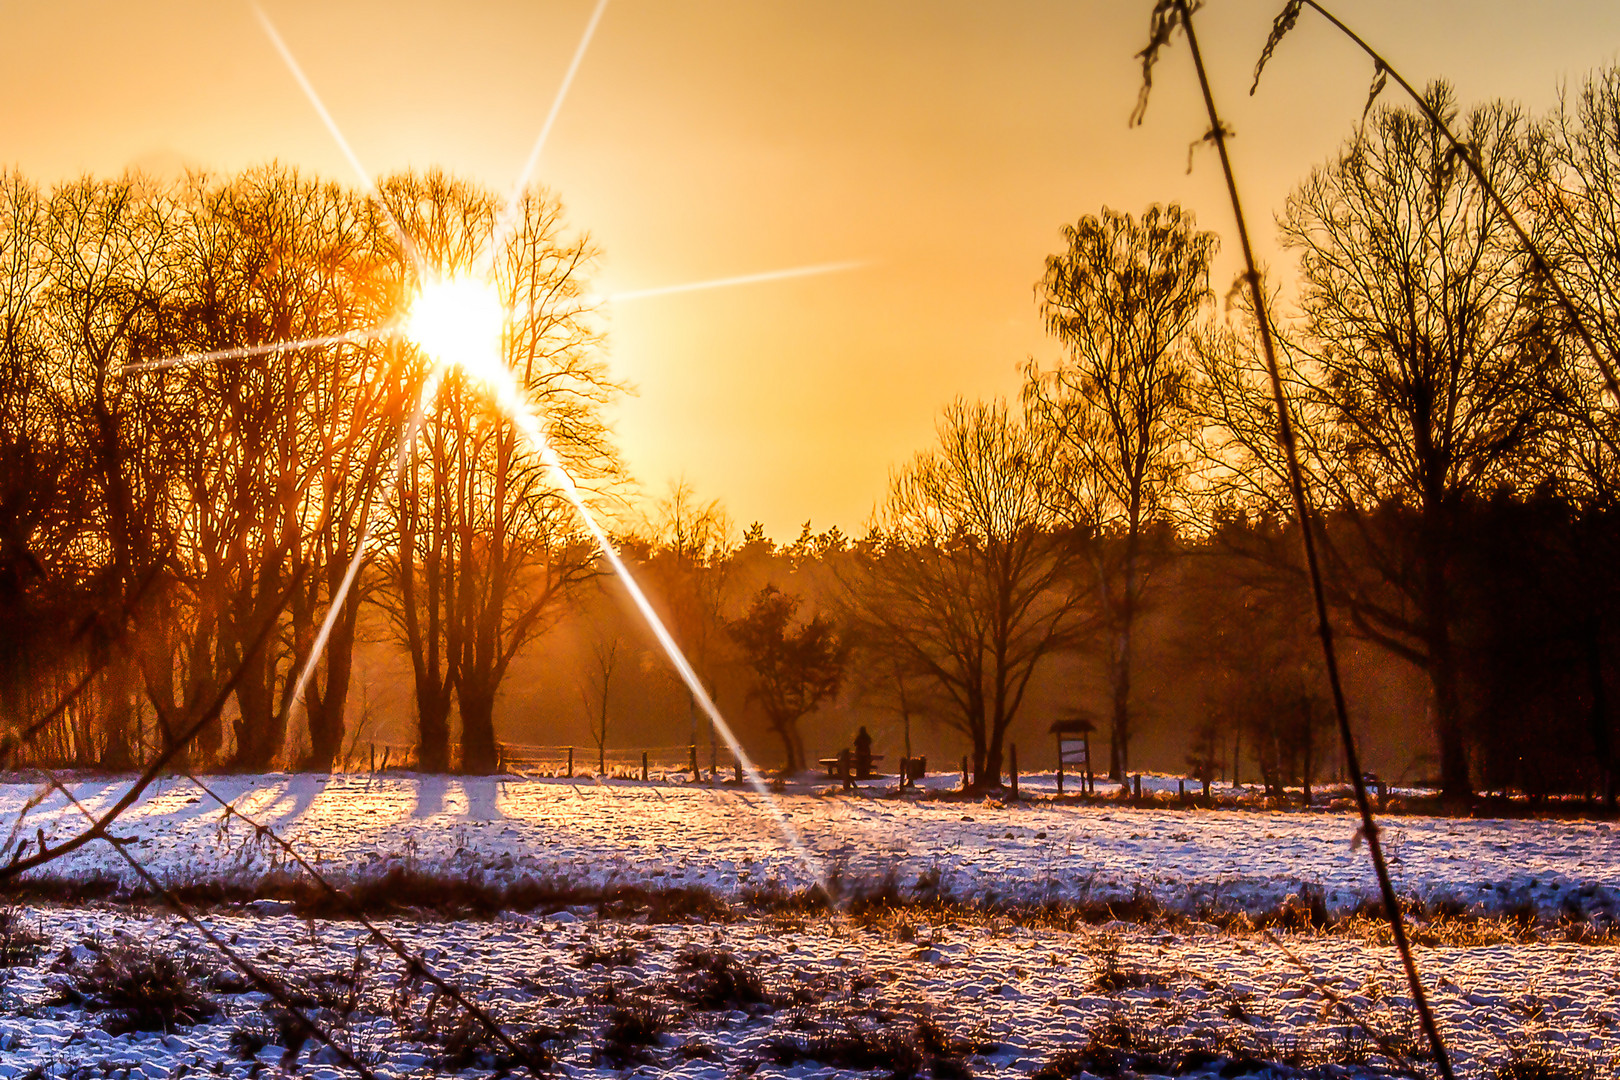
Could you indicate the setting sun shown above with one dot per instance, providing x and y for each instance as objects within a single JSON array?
[{"x": 459, "y": 323}]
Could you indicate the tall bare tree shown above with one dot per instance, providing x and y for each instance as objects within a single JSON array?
[
  {"x": 1122, "y": 299},
  {"x": 487, "y": 543},
  {"x": 1420, "y": 377}
]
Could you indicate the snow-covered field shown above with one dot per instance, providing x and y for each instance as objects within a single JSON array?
[
  {"x": 928, "y": 991},
  {"x": 1003, "y": 1000},
  {"x": 585, "y": 835}
]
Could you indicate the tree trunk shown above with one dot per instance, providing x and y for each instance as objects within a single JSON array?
[
  {"x": 792, "y": 755},
  {"x": 118, "y": 691},
  {"x": 432, "y": 728},
  {"x": 478, "y": 756},
  {"x": 260, "y": 729},
  {"x": 1307, "y": 763},
  {"x": 324, "y": 706},
  {"x": 990, "y": 776},
  {"x": 1455, "y": 784}
]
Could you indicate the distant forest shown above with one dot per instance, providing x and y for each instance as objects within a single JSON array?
[{"x": 181, "y": 500}]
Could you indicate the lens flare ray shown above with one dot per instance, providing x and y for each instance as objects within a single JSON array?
[
  {"x": 503, "y": 223},
  {"x": 728, "y": 282},
  {"x": 247, "y": 352},
  {"x": 336, "y": 132},
  {"x": 503, "y": 387}
]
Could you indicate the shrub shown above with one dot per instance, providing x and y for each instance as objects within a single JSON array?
[
  {"x": 904, "y": 1045},
  {"x": 618, "y": 954}
]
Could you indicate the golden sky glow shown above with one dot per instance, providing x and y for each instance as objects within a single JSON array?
[{"x": 938, "y": 144}]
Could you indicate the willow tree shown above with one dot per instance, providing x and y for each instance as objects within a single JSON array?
[
  {"x": 1122, "y": 299},
  {"x": 968, "y": 579}
]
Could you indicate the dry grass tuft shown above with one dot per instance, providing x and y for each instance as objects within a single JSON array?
[{"x": 139, "y": 988}]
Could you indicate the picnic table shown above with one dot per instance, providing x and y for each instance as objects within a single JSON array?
[{"x": 847, "y": 760}]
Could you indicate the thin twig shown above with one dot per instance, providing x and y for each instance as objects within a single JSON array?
[{"x": 1302, "y": 509}]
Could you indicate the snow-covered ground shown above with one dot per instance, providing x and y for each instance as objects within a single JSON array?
[
  {"x": 1004, "y": 999},
  {"x": 590, "y": 835}
]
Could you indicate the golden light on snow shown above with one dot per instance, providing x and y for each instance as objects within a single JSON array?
[{"x": 459, "y": 322}]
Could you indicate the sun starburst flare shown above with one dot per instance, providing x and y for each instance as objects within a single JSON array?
[{"x": 460, "y": 323}]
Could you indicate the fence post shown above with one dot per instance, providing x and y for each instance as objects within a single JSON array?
[
  {"x": 964, "y": 772},
  {"x": 1138, "y": 779},
  {"x": 1181, "y": 784},
  {"x": 1012, "y": 766},
  {"x": 385, "y": 758},
  {"x": 737, "y": 762},
  {"x": 570, "y": 762},
  {"x": 373, "y": 757},
  {"x": 691, "y": 752},
  {"x": 644, "y": 766}
]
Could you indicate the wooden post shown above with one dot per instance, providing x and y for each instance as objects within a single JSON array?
[
  {"x": 1091, "y": 782},
  {"x": 1012, "y": 767},
  {"x": 373, "y": 757},
  {"x": 644, "y": 766},
  {"x": 1138, "y": 779},
  {"x": 570, "y": 762},
  {"x": 385, "y": 758},
  {"x": 737, "y": 765},
  {"x": 964, "y": 772},
  {"x": 1060, "y": 765},
  {"x": 691, "y": 752},
  {"x": 846, "y": 768}
]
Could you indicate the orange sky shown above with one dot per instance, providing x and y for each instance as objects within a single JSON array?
[{"x": 941, "y": 142}]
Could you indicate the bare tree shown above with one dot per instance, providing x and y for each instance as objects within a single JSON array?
[
  {"x": 969, "y": 581},
  {"x": 487, "y": 544},
  {"x": 596, "y": 682},
  {"x": 689, "y": 564},
  {"x": 1122, "y": 299},
  {"x": 110, "y": 252},
  {"x": 1420, "y": 378}
]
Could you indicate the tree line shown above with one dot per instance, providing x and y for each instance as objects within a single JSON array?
[{"x": 170, "y": 532}]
